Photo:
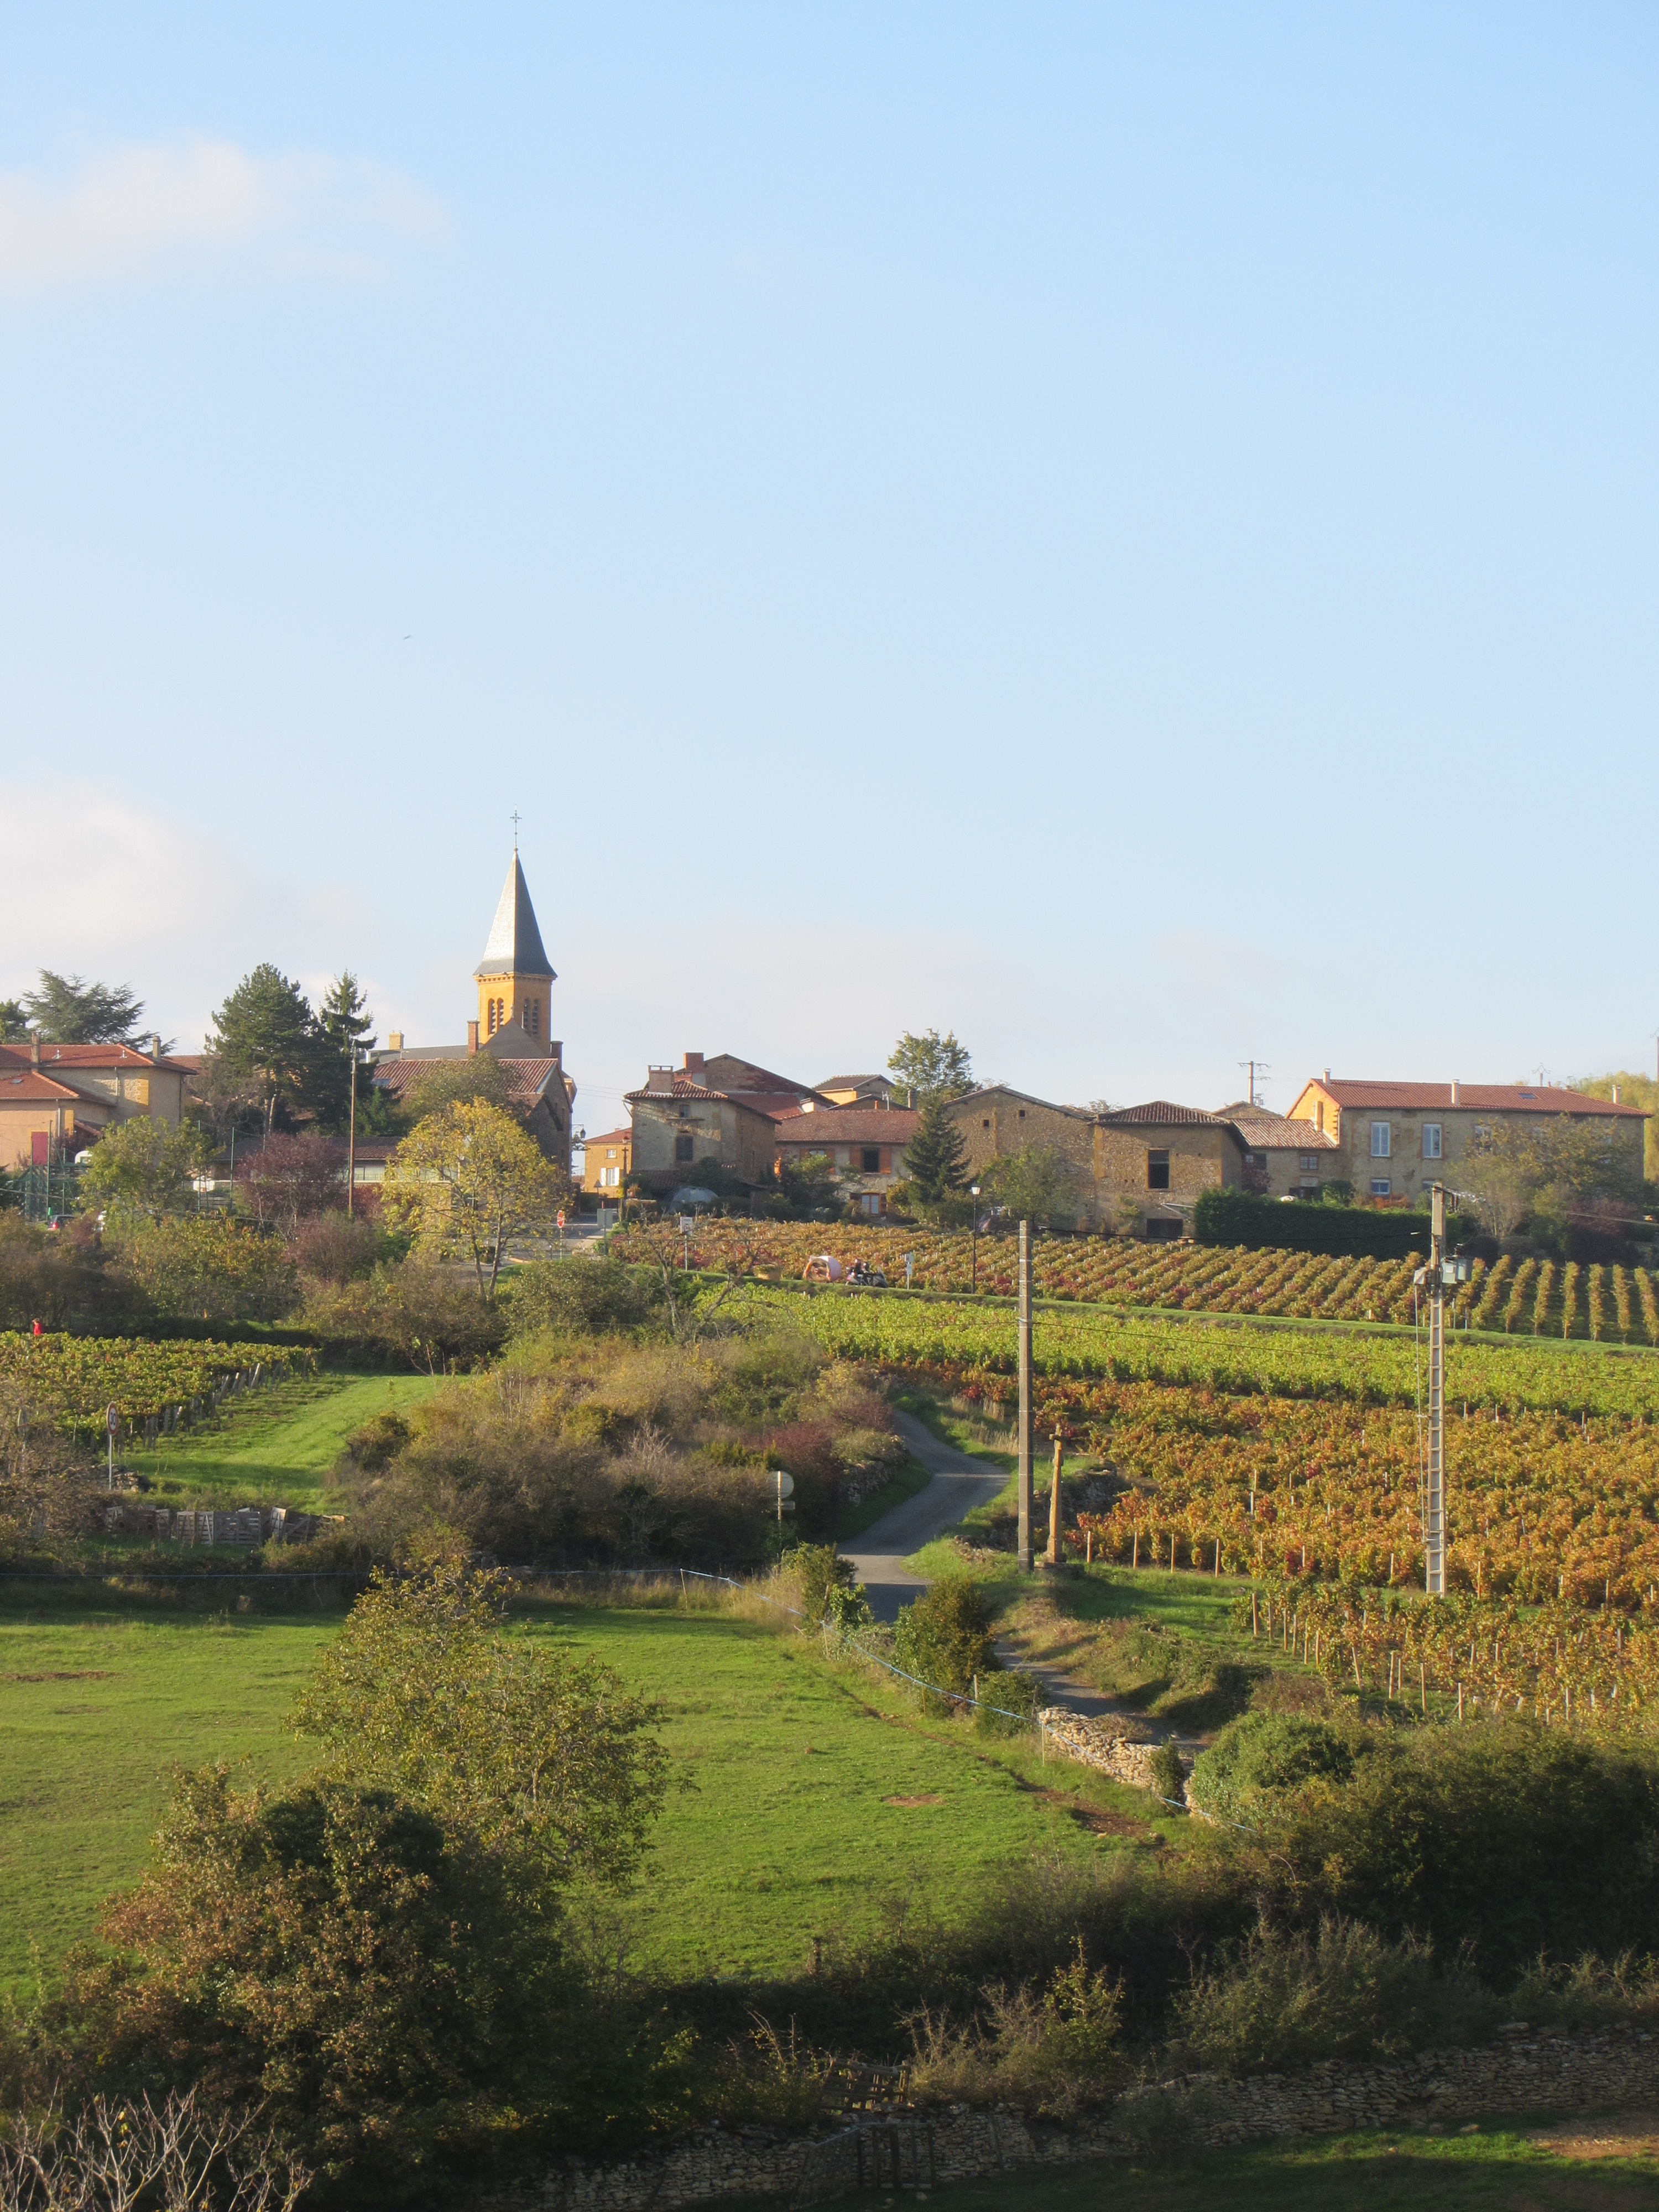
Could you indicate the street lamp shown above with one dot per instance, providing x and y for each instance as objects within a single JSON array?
[{"x": 973, "y": 1193}]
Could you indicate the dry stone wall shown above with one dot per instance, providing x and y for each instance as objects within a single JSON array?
[
  {"x": 1100, "y": 1743},
  {"x": 1520, "y": 2071}
]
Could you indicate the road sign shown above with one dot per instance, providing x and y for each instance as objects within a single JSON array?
[
  {"x": 786, "y": 1482},
  {"x": 688, "y": 1223},
  {"x": 561, "y": 1219},
  {"x": 112, "y": 1420}
]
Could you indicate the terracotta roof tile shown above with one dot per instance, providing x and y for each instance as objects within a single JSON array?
[
  {"x": 1159, "y": 1113},
  {"x": 29, "y": 1087},
  {"x": 1267, "y": 1133},
  {"x": 1477, "y": 1098},
  {"x": 849, "y": 1125},
  {"x": 527, "y": 1078}
]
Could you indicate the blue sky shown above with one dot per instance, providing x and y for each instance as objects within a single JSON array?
[{"x": 1128, "y": 533}]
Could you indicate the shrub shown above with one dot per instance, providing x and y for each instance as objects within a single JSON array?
[
  {"x": 1238, "y": 1216},
  {"x": 1268, "y": 1752},
  {"x": 582, "y": 1297},
  {"x": 205, "y": 1266},
  {"x": 377, "y": 1443},
  {"x": 946, "y": 1637},
  {"x": 1169, "y": 1775},
  {"x": 1287, "y": 1999},
  {"x": 1047, "y": 2051},
  {"x": 335, "y": 1248}
]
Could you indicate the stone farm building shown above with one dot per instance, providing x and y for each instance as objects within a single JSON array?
[
  {"x": 514, "y": 981},
  {"x": 863, "y": 1144},
  {"x": 1282, "y": 1158},
  {"x": 1391, "y": 1140},
  {"x": 1140, "y": 1168},
  {"x": 55, "y": 1099}
]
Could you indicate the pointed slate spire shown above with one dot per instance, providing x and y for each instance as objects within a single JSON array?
[{"x": 515, "y": 942}]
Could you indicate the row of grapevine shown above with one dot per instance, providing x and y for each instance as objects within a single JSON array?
[
  {"x": 1603, "y": 1303},
  {"x": 1559, "y": 1662},
  {"x": 73, "y": 1380},
  {"x": 979, "y": 1341}
]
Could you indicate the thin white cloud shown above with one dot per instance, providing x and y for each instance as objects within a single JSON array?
[{"x": 133, "y": 211}]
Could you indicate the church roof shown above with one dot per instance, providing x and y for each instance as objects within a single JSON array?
[{"x": 515, "y": 942}]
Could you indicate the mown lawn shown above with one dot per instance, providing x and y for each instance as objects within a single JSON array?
[
  {"x": 794, "y": 1824},
  {"x": 276, "y": 1447},
  {"x": 96, "y": 1706},
  {"x": 1504, "y": 2168}
]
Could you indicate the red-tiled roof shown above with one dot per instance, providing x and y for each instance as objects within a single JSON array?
[
  {"x": 1267, "y": 1133},
  {"x": 29, "y": 1087},
  {"x": 683, "y": 1088},
  {"x": 849, "y": 1125},
  {"x": 611, "y": 1137},
  {"x": 527, "y": 1078},
  {"x": 78, "y": 1055},
  {"x": 1159, "y": 1113},
  {"x": 1477, "y": 1097}
]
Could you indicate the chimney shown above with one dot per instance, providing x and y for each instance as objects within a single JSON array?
[
  {"x": 1454, "y": 1096},
  {"x": 660, "y": 1081},
  {"x": 693, "y": 1063},
  {"x": 471, "y": 1039},
  {"x": 394, "y": 1039},
  {"x": 155, "y": 1046},
  {"x": 1327, "y": 1075},
  {"x": 34, "y": 1047},
  {"x": 1615, "y": 1094},
  {"x": 555, "y": 1051}
]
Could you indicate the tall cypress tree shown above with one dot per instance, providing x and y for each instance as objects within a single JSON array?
[{"x": 936, "y": 1158}]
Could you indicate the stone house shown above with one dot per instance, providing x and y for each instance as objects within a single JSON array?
[
  {"x": 675, "y": 1122},
  {"x": 864, "y": 1144},
  {"x": 1391, "y": 1140},
  {"x": 860, "y": 1090},
  {"x": 55, "y": 1097},
  {"x": 1141, "y": 1167},
  {"x": 1282, "y": 1158}
]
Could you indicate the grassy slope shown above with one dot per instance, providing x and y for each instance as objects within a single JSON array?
[
  {"x": 785, "y": 1835},
  {"x": 95, "y": 1708},
  {"x": 1500, "y": 2168},
  {"x": 277, "y": 1447}
]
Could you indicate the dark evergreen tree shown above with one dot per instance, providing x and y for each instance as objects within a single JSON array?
[
  {"x": 68, "y": 1010},
  {"x": 265, "y": 1036},
  {"x": 936, "y": 1158},
  {"x": 343, "y": 1026}
]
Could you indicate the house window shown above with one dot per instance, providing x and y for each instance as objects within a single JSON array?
[
  {"x": 683, "y": 1146},
  {"x": 685, "y": 1113},
  {"x": 531, "y": 1016},
  {"x": 1379, "y": 1186},
  {"x": 1157, "y": 1170},
  {"x": 870, "y": 1157},
  {"x": 986, "y": 1123},
  {"x": 1308, "y": 1162},
  {"x": 1021, "y": 1112},
  {"x": 1431, "y": 1141},
  {"x": 1379, "y": 1140}
]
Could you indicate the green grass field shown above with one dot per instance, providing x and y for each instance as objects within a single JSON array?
[
  {"x": 1501, "y": 2168},
  {"x": 96, "y": 1707},
  {"x": 277, "y": 1447},
  {"x": 794, "y": 1826}
]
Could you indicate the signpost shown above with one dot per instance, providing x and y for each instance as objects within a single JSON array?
[
  {"x": 1443, "y": 1273},
  {"x": 785, "y": 1491},
  {"x": 112, "y": 1422}
]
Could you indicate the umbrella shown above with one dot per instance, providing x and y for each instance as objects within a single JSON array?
[{"x": 692, "y": 1195}]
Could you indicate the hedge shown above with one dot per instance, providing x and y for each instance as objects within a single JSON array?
[{"x": 1238, "y": 1216}]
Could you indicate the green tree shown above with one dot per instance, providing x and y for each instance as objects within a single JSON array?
[
  {"x": 480, "y": 1076},
  {"x": 349, "y": 1961},
  {"x": 1033, "y": 1185},
  {"x": 266, "y": 1039},
  {"x": 931, "y": 1066},
  {"x": 1633, "y": 1090},
  {"x": 68, "y": 1010},
  {"x": 14, "y": 1022},
  {"x": 145, "y": 1166},
  {"x": 808, "y": 1186},
  {"x": 344, "y": 1026},
  {"x": 544, "y": 1756},
  {"x": 935, "y": 1157},
  {"x": 466, "y": 1180}
]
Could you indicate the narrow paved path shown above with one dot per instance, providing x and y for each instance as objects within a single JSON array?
[{"x": 959, "y": 1484}]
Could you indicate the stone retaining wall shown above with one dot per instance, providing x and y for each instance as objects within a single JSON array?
[
  {"x": 1519, "y": 2072},
  {"x": 1096, "y": 1742}
]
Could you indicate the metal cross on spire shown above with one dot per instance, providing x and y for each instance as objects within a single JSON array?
[{"x": 515, "y": 829}]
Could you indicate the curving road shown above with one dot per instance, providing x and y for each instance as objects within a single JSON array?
[{"x": 958, "y": 1485}]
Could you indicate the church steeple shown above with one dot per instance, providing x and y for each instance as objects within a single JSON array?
[{"x": 515, "y": 973}]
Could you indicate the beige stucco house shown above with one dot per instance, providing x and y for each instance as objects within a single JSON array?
[{"x": 54, "y": 1098}]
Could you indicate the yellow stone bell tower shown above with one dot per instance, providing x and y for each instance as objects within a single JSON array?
[{"x": 515, "y": 978}]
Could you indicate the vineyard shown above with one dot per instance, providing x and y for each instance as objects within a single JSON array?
[
  {"x": 1557, "y": 1660},
  {"x": 1526, "y": 1297},
  {"x": 72, "y": 1381},
  {"x": 978, "y": 1341}
]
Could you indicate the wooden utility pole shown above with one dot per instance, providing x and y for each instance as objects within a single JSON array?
[
  {"x": 1026, "y": 1396},
  {"x": 351, "y": 1137},
  {"x": 1434, "y": 1501},
  {"x": 1053, "y": 1505}
]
